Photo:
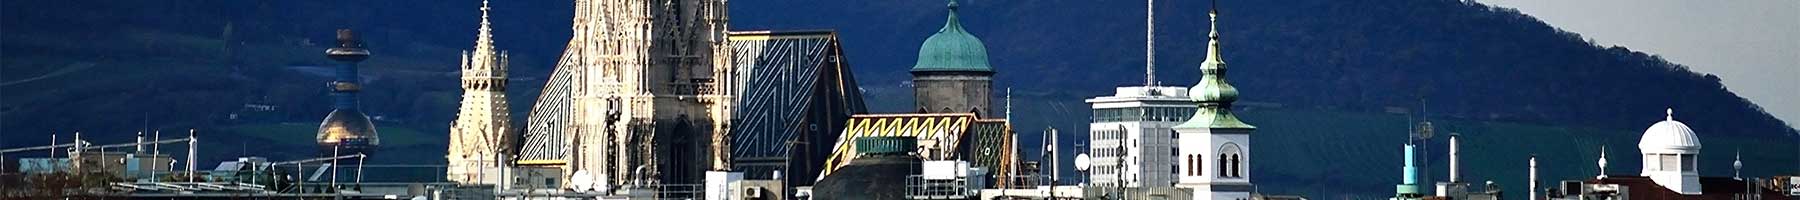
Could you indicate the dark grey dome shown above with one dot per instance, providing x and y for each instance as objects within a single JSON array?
[{"x": 872, "y": 177}]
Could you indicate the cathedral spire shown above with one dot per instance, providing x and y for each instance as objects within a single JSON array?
[
  {"x": 480, "y": 139},
  {"x": 484, "y": 37}
]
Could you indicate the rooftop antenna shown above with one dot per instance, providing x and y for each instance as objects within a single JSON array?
[
  {"x": 1008, "y": 105},
  {"x": 191, "y": 158},
  {"x": 1150, "y": 42}
]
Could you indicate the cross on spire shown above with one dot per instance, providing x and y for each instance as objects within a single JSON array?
[{"x": 484, "y": 41}]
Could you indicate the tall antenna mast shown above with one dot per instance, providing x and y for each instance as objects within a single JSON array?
[
  {"x": 1009, "y": 104},
  {"x": 1149, "y": 42}
]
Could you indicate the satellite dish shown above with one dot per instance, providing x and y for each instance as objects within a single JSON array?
[
  {"x": 1082, "y": 161},
  {"x": 581, "y": 180}
]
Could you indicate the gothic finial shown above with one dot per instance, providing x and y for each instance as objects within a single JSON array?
[
  {"x": 1737, "y": 165},
  {"x": 953, "y": 5},
  {"x": 1213, "y": 17}
]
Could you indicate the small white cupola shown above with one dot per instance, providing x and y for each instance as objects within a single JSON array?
[{"x": 1670, "y": 149}]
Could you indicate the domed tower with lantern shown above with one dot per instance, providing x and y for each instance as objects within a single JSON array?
[{"x": 1670, "y": 150}]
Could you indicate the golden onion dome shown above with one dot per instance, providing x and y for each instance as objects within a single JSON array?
[{"x": 347, "y": 129}]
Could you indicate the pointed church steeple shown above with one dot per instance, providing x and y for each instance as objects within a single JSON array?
[
  {"x": 1213, "y": 93},
  {"x": 1214, "y": 140},
  {"x": 484, "y": 37},
  {"x": 481, "y": 137}
]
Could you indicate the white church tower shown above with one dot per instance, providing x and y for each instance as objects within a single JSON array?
[
  {"x": 480, "y": 138},
  {"x": 1669, "y": 150},
  {"x": 1214, "y": 146}
]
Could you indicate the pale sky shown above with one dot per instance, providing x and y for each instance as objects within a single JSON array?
[{"x": 1754, "y": 45}]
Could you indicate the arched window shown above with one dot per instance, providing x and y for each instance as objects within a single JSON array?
[
  {"x": 1237, "y": 167},
  {"x": 1221, "y": 164},
  {"x": 1193, "y": 166},
  {"x": 1230, "y": 163},
  {"x": 1188, "y": 171}
]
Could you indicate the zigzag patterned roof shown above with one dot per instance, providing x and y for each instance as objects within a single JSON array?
[
  {"x": 946, "y": 130},
  {"x": 545, "y": 137}
]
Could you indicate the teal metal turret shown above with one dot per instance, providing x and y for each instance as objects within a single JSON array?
[
  {"x": 1409, "y": 182},
  {"x": 952, "y": 49}
]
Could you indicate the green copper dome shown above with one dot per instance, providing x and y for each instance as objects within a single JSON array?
[{"x": 953, "y": 49}]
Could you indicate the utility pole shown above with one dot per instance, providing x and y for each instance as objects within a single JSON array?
[
  {"x": 53, "y": 152},
  {"x": 334, "y": 172},
  {"x": 156, "y": 149}
]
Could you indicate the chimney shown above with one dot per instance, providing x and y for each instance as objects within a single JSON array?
[
  {"x": 140, "y": 143},
  {"x": 1533, "y": 187},
  {"x": 1455, "y": 159}
]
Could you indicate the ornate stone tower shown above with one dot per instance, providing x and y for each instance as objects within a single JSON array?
[
  {"x": 1214, "y": 144},
  {"x": 952, "y": 74},
  {"x": 636, "y": 98},
  {"x": 481, "y": 136}
]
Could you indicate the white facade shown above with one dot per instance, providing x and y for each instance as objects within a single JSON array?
[
  {"x": 1130, "y": 136},
  {"x": 1219, "y": 160}
]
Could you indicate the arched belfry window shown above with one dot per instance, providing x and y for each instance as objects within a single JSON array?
[{"x": 1230, "y": 161}]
